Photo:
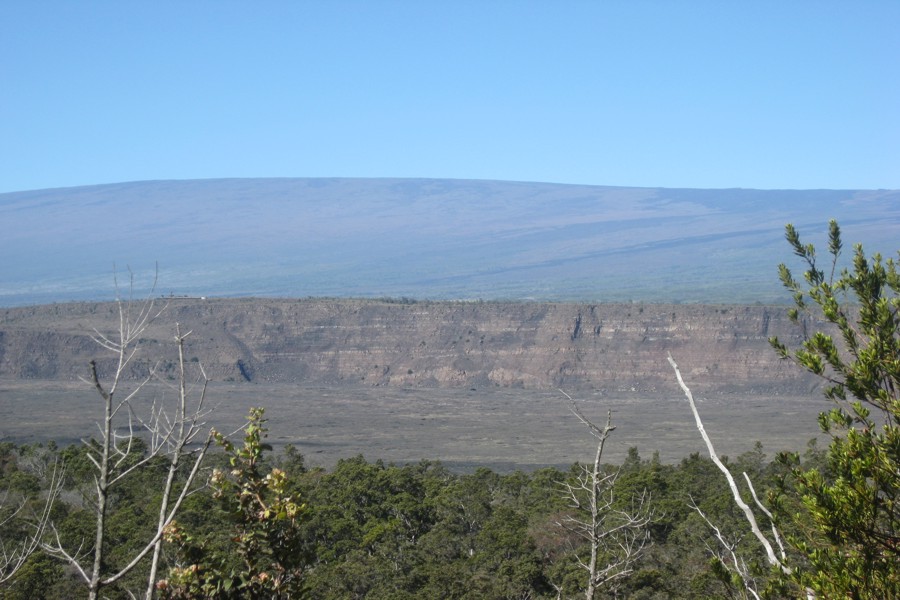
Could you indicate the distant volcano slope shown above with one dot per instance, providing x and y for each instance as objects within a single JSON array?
[{"x": 420, "y": 238}]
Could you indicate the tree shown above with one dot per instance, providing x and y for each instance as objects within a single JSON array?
[
  {"x": 844, "y": 521},
  {"x": 728, "y": 560},
  {"x": 265, "y": 558},
  {"x": 17, "y": 509},
  {"x": 115, "y": 456},
  {"x": 616, "y": 536},
  {"x": 849, "y": 515}
]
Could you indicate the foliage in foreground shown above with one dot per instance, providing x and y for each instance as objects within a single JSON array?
[
  {"x": 265, "y": 557},
  {"x": 848, "y": 515},
  {"x": 270, "y": 527}
]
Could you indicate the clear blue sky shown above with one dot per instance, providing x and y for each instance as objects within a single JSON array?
[{"x": 780, "y": 94}]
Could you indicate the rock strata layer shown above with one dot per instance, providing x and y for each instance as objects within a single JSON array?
[{"x": 607, "y": 348}]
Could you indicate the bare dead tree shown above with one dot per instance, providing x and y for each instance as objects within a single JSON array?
[
  {"x": 185, "y": 427},
  {"x": 727, "y": 554},
  {"x": 730, "y": 558},
  {"x": 13, "y": 555},
  {"x": 115, "y": 456},
  {"x": 616, "y": 537}
]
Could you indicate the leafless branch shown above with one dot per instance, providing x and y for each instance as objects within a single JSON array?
[
  {"x": 775, "y": 535},
  {"x": 616, "y": 537},
  {"x": 736, "y": 495},
  {"x": 74, "y": 559},
  {"x": 727, "y": 555},
  {"x": 115, "y": 455},
  {"x": 13, "y": 557}
]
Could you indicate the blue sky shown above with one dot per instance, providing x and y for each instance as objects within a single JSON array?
[{"x": 676, "y": 94}]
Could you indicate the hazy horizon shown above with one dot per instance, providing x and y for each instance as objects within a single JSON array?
[{"x": 421, "y": 238}]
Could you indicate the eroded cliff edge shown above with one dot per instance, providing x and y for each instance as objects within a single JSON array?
[{"x": 610, "y": 348}]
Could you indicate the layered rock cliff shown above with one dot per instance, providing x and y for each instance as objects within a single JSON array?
[{"x": 605, "y": 347}]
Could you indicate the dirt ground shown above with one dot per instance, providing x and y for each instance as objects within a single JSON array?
[{"x": 501, "y": 428}]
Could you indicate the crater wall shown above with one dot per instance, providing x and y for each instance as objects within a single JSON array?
[{"x": 614, "y": 348}]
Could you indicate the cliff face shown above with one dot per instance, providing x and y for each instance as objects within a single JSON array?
[{"x": 604, "y": 347}]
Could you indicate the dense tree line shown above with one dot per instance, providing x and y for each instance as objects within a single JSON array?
[{"x": 368, "y": 529}]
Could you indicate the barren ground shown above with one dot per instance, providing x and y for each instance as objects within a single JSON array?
[{"x": 501, "y": 428}]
